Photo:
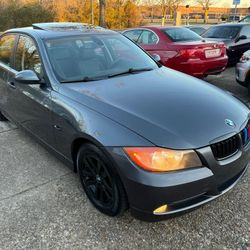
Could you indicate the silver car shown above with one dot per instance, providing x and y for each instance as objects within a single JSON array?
[{"x": 243, "y": 71}]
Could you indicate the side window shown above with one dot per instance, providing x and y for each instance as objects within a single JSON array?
[
  {"x": 7, "y": 44},
  {"x": 245, "y": 31},
  {"x": 148, "y": 37},
  {"x": 246, "y": 19},
  {"x": 133, "y": 34},
  {"x": 27, "y": 56}
]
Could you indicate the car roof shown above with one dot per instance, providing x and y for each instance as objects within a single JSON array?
[
  {"x": 154, "y": 28},
  {"x": 60, "y": 29},
  {"x": 232, "y": 24},
  {"x": 161, "y": 27}
]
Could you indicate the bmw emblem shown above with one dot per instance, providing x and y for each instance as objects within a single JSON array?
[{"x": 230, "y": 123}]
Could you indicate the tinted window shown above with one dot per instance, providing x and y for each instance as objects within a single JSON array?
[
  {"x": 198, "y": 30},
  {"x": 245, "y": 31},
  {"x": 6, "y": 46},
  {"x": 147, "y": 37},
  {"x": 95, "y": 56},
  {"x": 227, "y": 32},
  {"x": 133, "y": 34},
  {"x": 246, "y": 19},
  {"x": 181, "y": 34},
  {"x": 27, "y": 56}
]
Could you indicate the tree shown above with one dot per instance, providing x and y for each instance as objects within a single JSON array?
[
  {"x": 14, "y": 14},
  {"x": 102, "y": 13},
  {"x": 122, "y": 14},
  {"x": 131, "y": 14},
  {"x": 205, "y": 4},
  {"x": 170, "y": 6}
]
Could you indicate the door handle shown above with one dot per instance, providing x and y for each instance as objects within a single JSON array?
[
  {"x": 11, "y": 84},
  {"x": 57, "y": 127}
]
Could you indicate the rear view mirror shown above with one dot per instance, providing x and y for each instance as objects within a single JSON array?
[
  {"x": 242, "y": 37},
  {"x": 156, "y": 57},
  {"x": 27, "y": 77}
]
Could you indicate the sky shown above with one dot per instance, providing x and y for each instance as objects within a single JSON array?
[{"x": 227, "y": 3}]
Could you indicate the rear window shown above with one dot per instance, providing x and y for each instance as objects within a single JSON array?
[
  {"x": 198, "y": 31},
  {"x": 181, "y": 34},
  {"x": 226, "y": 32}
]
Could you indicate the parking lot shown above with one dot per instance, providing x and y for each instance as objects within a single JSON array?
[{"x": 42, "y": 205}]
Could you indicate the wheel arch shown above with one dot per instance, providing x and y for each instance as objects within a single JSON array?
[{"x": 77, "y": 143}]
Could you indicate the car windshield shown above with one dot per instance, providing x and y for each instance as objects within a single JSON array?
[
  {"x": 94, "y": 57},
  {"x": 181, "y": 34},
  {"x": 225, "y": 32}
]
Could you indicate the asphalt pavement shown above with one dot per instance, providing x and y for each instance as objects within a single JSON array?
[{"x": 42, "y": 205}]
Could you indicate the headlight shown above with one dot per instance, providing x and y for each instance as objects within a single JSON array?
[
  {"x": 163, "y": 160},
  {"x": 244, "y": 58}
]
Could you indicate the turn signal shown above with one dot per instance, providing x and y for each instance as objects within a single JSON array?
[{"x": 163, "y": 160}]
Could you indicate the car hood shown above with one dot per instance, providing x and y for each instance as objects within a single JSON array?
[{"x": 168, "y": 108}]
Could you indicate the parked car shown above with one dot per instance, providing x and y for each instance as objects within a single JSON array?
[
  {"x": 234, "y": 18},
  {"x": 181, "y": 49},
  {"x": 197, "y": 29},
  {"x": 235, "y": 36},
  {"x": 245, "y": 19},
  {"x": 139, "y": 135},
  {"x": 243, "y": 71}
]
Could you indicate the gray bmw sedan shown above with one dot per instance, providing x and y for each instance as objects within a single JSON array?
[{"x": 140, "y": 136}]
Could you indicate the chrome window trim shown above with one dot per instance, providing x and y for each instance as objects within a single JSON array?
[{"x": 158, "y": 39}]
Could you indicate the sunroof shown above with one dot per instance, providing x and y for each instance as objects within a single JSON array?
[{"x": 65, "y": 26}]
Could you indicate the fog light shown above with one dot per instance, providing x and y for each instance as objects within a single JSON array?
[{"x": 162, "y": 209}]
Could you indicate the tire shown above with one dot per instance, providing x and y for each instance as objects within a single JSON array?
[
  {"x": 100, "y": 181},
  {"x": 2, "y": 117}
]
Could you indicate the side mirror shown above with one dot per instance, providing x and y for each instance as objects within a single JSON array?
[
  {"x": 156, "y": 57},
  {"x": 27, "y": 77},
  {"x": 242, "y": 37}
]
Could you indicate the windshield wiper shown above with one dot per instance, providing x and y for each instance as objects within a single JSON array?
[
  {"x": 130, "y": 71},
  {"x": 85, "y": 79},
  {"x": 91, "y": 79}
]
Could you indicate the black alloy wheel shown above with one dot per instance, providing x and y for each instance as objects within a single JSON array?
[{"x": 100, "y": 181}]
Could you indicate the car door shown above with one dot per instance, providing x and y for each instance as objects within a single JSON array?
[
  {"x": 31, "y": 103},
  {"x": 242, "y": 45},
  {"x": 7, "y": 44}
]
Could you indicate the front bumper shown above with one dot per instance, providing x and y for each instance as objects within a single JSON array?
[
  {"x": 180, "y": 190},
  {"x": 241, "y": 73}
]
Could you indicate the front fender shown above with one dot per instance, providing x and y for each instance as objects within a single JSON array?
[{"x": 72, "y": 120}]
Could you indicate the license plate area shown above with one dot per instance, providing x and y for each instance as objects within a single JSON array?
[{"x": 211, "y": 53}]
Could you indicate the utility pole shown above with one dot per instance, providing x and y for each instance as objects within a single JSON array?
[
  {"x": 235, "y": 12},
  {"x": 236, "y": 3},
  {"x": 187, "y": 14}
]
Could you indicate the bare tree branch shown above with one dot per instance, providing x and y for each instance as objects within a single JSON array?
[{"x": 205, "y": 4}]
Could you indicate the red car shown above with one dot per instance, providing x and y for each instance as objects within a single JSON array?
[{"x": 181, "y": 49}]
